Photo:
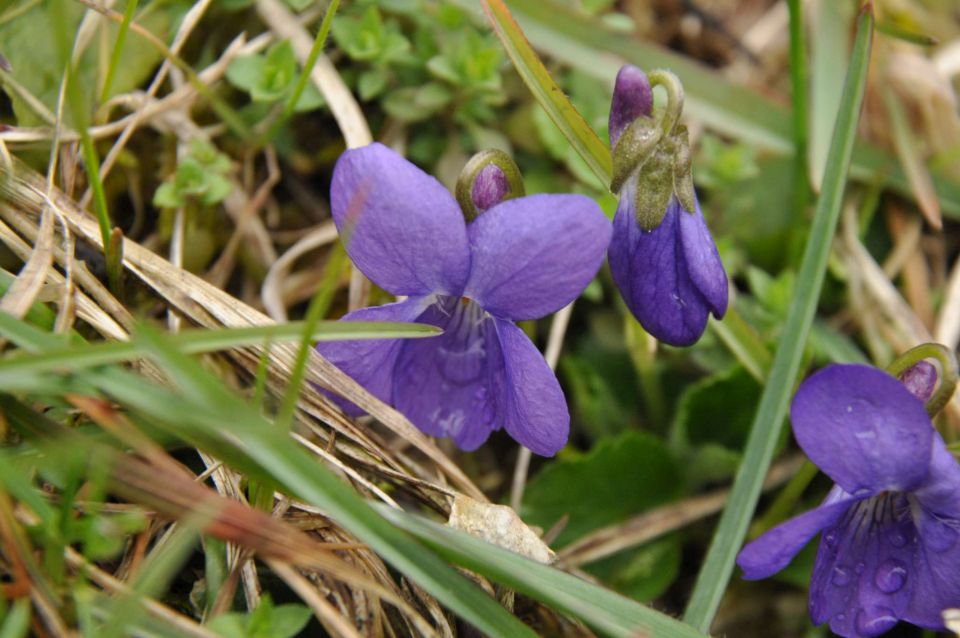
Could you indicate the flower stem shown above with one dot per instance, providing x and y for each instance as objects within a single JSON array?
[{"x": 671, "y": 83}]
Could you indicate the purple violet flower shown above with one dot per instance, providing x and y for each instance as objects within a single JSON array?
[
  {"x": 890, "y": 524},
  {"x": 665, "y": 265},
  {"x": 521, "y": 259}
]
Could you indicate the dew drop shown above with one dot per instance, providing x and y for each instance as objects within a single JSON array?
[
  {"x": 890, "y": 576},
  {"x": 841, "y": 576},
  {"x": 860, "y": 567},
  {"x": 897, "y": 537},
  {"x": 831, "y": 538},
  {"x": 879, "y": 621}
]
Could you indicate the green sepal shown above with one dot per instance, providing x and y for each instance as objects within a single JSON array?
[
  {"x": 633, "y": 149},
  {"x": 682, "y": 170},
  {"x": 654, "y": 189}
]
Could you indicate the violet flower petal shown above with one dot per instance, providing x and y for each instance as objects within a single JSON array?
[
  {"x": 401, "y": 227},
  {"x": 651, "y": 273},
  {"x": 451, "y": 385},
  {"x": 371, "y": 362},
  {"x": 632, "y": 97},
  {"x": 702, "y": 259},
  {"x": 938, "y": 521},
  {"x": 535, "y": 412},
  {"x": 533, "y": 255},
  {"x": 863, "y": 428},
  {"x": 774, "y": 550},
  {"x": 864, "y": 577}
]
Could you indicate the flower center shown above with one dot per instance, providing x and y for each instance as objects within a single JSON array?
[{"x": 463, "y": 346}]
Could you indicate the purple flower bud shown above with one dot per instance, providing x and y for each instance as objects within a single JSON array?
[
  {"x": 632, "y": 97},
  {"x": 489, "y": 187},
  {"x": 662, "y": 257},
  {"x": 920, "y": 379}
]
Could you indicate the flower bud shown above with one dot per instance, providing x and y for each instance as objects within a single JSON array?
[
  {"x": 920, "y": 379},
  {"x": 489, "y": 178}
]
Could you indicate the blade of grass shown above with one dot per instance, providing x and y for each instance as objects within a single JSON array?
[
  {"x": 81, "y": 117},
  {"x": 78, "y": 356},
  {"x": 832, "y": 22},
  {"x": 304, "y": 78},
  {"x": 118, "y": 49},
  {"x": 769, "y": 419},
  {"x": 605, "y": 610},
  {"x": 798, "y": 95},
  {"x": 316, "y": 311},
  {"x": 548, "y": 94}
]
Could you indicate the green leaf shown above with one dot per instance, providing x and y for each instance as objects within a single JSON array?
[
  {"x": 287, "y": 621},
  {"x": 245, "y": 71},
  {"x": 415, "y": 104},
  {"x": 371, "y": 83},
  {"x": 363, "y": 39},
  {"x": 167, "y": 196},
  {"x": 718, "y": 409},
  {"x": 768, "y": 422},
  {"x": 279, "y": 73},
  {"x": 619, "y": 477}
]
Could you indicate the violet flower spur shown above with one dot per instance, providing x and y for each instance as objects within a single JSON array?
[
  {"x": 890, "y": 525},
  {"x": 662, "y": 256},
  {"x": 522, "y": 258}
]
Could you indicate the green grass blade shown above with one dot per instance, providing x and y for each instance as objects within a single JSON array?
[
  {"x": 198, "y": 414},
  {"x": 304, "y": 78},
  {"x": 604, "y": 610},
  {"x": 57, "y": 356},
  {"x": 315, "y": 312},
  {"x": 830, "y": 48},
  {"x": 798, "y": 96},
  {"x": 768, "y": 422},
  {"x": 118, "y": 49},
  {"x": 548, "y": 94}
]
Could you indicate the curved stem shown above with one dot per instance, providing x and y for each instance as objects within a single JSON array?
[
  {"x": 671, "y": 83},
  {"x": 946, "y": 362}
]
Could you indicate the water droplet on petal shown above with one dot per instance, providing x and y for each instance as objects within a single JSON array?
[
  {"x": 897, "y": 537},
  {"x": 831, "y": 538},
  {"x": 841, "y": 576},
  {"x": 879, "y": 620},
  {"x": 860, "y": 567},
  {"x": 890, "y": 576}
]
